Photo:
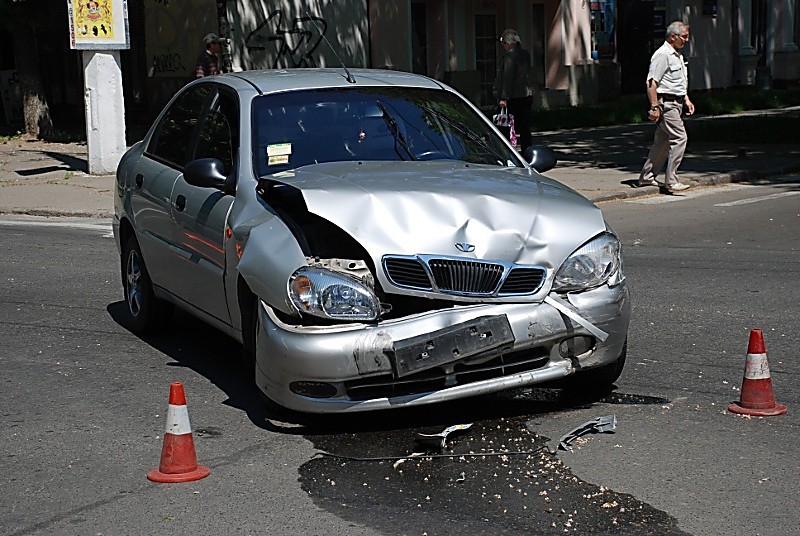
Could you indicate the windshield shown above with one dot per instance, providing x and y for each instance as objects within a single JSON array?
[{"x": 307, "y": 127}]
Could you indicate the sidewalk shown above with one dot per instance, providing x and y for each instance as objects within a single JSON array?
[
  {"x": 604, "y": 163},
  {"x": 51, "y": 179}
]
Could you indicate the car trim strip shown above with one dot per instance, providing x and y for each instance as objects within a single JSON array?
[{"x": 563, "y": 308}]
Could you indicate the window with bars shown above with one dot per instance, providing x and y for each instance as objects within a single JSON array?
[{"x": 486, "y": 46}]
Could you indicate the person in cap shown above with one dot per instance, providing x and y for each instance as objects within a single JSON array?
[{"x": 208, "y": 60}]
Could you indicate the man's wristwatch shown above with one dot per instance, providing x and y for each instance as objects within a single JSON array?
[{"x": 653, "y": 107}]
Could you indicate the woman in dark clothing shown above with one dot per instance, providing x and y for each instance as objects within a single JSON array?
[{"x": 512, "y": 85}]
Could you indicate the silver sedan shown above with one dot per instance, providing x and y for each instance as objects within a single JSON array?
[{"x": 371, "y": 240}]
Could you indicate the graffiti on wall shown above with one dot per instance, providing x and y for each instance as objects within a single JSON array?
[
  {"x": 285, "y": 34},
  {"x": 295, "y": 41},
  {"x": 168, "y": 62}
]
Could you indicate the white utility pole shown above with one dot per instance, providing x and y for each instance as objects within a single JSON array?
[
  {"x": 100, "y": 31},
  {"x": 105, "y": 110}
]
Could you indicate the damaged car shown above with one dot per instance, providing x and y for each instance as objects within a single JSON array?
[{"x": 370, "y": 239}]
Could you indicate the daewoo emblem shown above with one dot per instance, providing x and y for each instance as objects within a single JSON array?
[{"x": 466, "y": 248}]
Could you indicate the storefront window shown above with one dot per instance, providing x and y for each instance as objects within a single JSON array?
[{"x": 603, "y": 15}]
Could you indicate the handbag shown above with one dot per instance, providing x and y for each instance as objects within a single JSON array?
[
  {"x": 512, "y": 136},
  {"x": 503, "y": 119}
]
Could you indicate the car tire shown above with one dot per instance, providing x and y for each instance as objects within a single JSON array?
[
  {"x": 146, "y": 313},
  {"x": 250, "y": 327},
  {"x": 599, "y": 380}
]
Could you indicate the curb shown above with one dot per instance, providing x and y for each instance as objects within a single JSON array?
[
  {"x": 60, "y": 213},
  {"x": 721, "y": 178}
]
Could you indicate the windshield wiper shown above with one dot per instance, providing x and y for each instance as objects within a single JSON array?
[
  {"x": 468, "y": 133},
  {"x": 391, "y": 122}
]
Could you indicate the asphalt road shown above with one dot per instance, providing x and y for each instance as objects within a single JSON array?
[{"x": 84, "y": 405}]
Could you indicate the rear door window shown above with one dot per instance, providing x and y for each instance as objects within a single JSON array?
[{"x": 174, "y": 136}]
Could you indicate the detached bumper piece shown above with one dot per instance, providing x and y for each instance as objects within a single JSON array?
[
  {"x": 487, "y": 336},
  {"x": 600, "y": 425}
]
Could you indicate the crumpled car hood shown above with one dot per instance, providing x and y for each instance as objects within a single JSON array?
[{"x": 407, "y": 208}]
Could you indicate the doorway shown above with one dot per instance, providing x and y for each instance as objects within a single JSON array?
[{"x": 640, "y": 30}]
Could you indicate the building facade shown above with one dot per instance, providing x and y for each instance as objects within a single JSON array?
[{"x": 583, "y": 51}]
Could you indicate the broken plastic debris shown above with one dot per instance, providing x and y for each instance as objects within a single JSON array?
[
  {"x": 435, "y": 442},
  {"x": 605, "y": 424},
  {"x": 403, "y": 460}
]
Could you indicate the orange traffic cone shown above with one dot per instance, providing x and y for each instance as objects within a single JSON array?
[
  {"x": 757, "y": 397},
  {"x": 178, "y": 459}
]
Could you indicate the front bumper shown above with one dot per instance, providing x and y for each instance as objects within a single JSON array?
[{"x": 358, "y": 362}]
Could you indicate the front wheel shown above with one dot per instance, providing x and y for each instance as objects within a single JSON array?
[
  {"x": 145, "y": 312},
  {"x": 599, "y": 380}
]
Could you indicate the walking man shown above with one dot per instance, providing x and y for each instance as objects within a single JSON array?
[{"x": 667, "y": 88}]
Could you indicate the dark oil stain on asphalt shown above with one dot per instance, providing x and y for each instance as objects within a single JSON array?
[
  {"x": 556, "y": 396},
  {"x": 208, "y": 431},
  {"x": 622, "y": 398},
  {"x": 528, "y": 493}
]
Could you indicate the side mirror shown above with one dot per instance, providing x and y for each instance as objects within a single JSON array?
[
  {"x": 206, "y": 173},
  {"x": 540, "y": 158}
]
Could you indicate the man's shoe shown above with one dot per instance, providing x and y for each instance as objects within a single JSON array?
[
  {"x": 672, "y": 188},
  {"x": 677, "y": 187},
  {"x": 647, "y": 182}
]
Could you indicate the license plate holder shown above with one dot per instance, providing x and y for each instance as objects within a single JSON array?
[{"x": 453, "y": 343}]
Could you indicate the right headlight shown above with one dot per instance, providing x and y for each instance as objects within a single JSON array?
[
  {"x": 591, "y": 265},
  {"x": 328, "y": 294}
]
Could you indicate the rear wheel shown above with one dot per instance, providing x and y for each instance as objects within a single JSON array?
[{"x": 145, "y": 312}]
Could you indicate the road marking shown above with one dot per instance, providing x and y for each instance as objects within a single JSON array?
[
  {"x": 689, "y": 194},
  {"x": 756, "y": 199},
  {"x": 103, "y": 226}
]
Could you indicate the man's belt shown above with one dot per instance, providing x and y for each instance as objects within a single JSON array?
[{"x": 669, "y": 98}]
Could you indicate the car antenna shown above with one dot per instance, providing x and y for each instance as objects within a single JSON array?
[{"x": 350, "y": 77}]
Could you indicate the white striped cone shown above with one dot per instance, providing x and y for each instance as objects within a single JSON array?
[
  {"x": 757, "y": 397},
  {"x": 178, "y": 458}
]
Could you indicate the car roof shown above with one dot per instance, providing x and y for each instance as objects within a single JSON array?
[{"x": 269, "y": 81}]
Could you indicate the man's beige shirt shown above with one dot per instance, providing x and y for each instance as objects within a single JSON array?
[{"x": 669, "y": 70}]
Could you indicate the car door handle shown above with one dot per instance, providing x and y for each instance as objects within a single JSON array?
[
  {"x": 180, "y": 203},
  {"x": 139, "y": 180}
]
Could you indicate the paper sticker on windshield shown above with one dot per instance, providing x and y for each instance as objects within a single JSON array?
[
  {"x": 278, "y": 159},
  {"x": 279, "y": 149}
]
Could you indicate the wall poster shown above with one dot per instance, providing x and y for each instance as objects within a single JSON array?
[{"x": 98, "y": 24}]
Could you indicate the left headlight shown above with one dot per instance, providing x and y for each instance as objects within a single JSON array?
[
  {"x": 332, "y": 295},
  {"x": 591, "y": 265}
]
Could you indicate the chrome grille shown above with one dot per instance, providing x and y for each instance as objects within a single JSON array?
[
  {"x": 467, "y": 277},
  {"x": 407, "y": 273},
  {"x": 523, "y": 281}
]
